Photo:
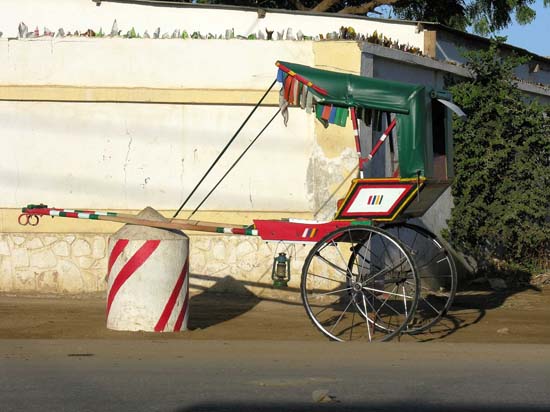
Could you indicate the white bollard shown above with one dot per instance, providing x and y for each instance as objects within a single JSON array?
[{"x": 148, "y": 278}]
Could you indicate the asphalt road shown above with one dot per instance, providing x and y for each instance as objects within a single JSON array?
[{"x": 170, "y": 375}]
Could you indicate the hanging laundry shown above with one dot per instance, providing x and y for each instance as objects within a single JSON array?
[
  {"x": 281, "y": 75},
  {"x": 365, "y": 115},
  {"x": 303, "y": 97},
  {"x": 296, "y": 92},
  {"x": 309, "y": 102},
  {"x": 283, "y": 105},
  {"x": 377, "y": 120},
  {"x": 319, "y": 109},
  {"x": 329, "y": 114},
  {"x": 325, "y": 113},
  {"x": 287, "y": 88},
  {"x": 341, "y": 116}
]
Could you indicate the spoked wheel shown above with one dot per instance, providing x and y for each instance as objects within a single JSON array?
[
  {"x": 437, "y": 272},
  {"x": 360, "y": 283}
]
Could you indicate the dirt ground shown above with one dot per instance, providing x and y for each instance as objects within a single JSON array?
[{"x": 483, "y": 316}]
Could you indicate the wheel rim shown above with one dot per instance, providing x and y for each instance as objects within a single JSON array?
[
  {"x": 437, "y": 272},
  {"x": 359, "y": 283}
]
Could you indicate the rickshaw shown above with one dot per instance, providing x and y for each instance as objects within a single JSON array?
[{"x": 371, "y": 274}]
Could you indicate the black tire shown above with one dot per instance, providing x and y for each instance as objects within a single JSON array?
[
  {"x": 437, "y": 272},
  {"x": 373, "y": 298}
]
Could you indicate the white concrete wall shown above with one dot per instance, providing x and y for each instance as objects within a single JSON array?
[
  {"x": 171, "y": 63},
  {"x": 84, "y": 14},
  {"x": 127, "y": 156}
]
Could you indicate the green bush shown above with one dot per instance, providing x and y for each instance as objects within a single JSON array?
[{"x": 502, "y": 168}]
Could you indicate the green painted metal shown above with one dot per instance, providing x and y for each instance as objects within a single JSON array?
[
  {"x": 361, "y": 223},
  {"x": 356, "y": 91},
  {"x": 408, "y": 101},
  {"x": 411, "y": 136}
]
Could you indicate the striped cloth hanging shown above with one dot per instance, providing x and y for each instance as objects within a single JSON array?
[
  {"x": 329, "y": 114},
  {"x": 294, "y": 92}
]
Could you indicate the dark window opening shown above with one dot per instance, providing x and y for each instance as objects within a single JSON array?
[{"x": 439, "y": 140}]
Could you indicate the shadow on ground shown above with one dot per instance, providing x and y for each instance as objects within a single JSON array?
[
  {"x": 231, "y": 299},
  {"x": 470, "y": 306}
]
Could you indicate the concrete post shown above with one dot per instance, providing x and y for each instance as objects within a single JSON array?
[{"x": 148, "y": 278}]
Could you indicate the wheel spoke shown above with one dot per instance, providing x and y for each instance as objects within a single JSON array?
[
  {"x": 386, "y": 270},
  {"x": 332, "y": 292},
  {"x": 341, "y": 316},
  {"x": 429, "y": 304},
  {"x": 344, "y": 260},
  {"x": 405, "y": 302},
  {"x": 370, "y": 262},
  {"x": 385, "y": 302},
  {"x": 366, "y": 316},
  {"x": 345, "y": 272},
  {"x": 324, "y": 277},
  {"x": 364, "y": 258},
  {"x": 384, "y": 292}
]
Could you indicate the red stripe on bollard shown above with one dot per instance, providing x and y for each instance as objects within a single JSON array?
[
  {"x": 130, "y": 267},
  {"x": 181, "y": 316},
  {"x": 118, "y": 248},
  {"x": 163, "y": 320}
]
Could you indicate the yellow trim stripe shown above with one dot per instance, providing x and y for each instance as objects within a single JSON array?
[
  {"x": 405, "y": 203},
  {"x": 350, "y": 191}
]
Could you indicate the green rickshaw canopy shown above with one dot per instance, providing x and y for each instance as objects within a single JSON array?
[
  {"x": 408, "y": 101},
  {"x": 350, "y": 90}
]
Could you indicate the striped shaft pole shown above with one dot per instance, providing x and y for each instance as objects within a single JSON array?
[
  {"x": 357, "y": 141},
  {"x": 131, "y": 219},
  {"x": 32, "y": 210},
  {"x": 116, "y": 214},
  {"x": 379, "y": 142},
  {"x": 237, "y": 231}
]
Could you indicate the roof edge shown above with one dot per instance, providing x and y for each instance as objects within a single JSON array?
[{"x": 481, "y": 39}]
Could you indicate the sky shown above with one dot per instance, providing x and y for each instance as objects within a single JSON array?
[{"x": 534, "y": 37}]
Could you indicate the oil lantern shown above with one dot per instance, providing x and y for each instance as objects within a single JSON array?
[{"x": 280, "y": 273}]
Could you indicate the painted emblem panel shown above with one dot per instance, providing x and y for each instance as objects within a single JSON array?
[{"x": 377, "y": 199}]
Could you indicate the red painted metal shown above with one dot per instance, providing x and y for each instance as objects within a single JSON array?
[{"x": 296, "y": 231}]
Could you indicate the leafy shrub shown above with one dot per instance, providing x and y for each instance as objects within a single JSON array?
[{"x": 502, "y": 168}]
